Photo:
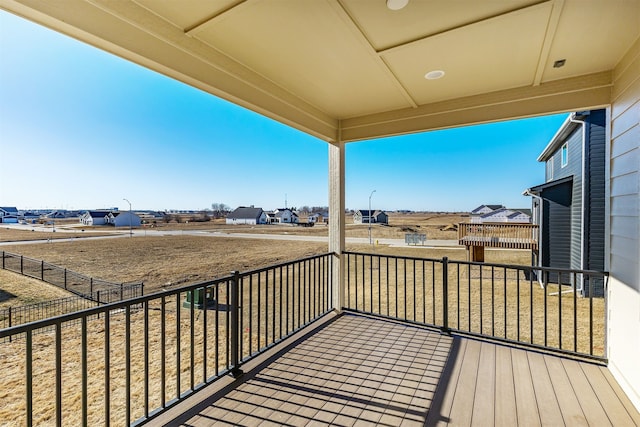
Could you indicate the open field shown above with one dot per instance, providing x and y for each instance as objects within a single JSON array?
[{"x": 16, "y": 290}]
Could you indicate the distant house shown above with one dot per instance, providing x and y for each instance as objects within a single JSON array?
[
  {"x": 9, "y": 215},
  {"x": 97, "y": 217},
  {"x": 499, "y": 213},
  {"x": 365, "y": 217},
  {"x": 56, "y": 215},
  {"x": 319, "y": 218},
  {"x": 485, "y": 209},
  {"x": 570, "y": 206},
  {"x": 247, "y": 215},
  {"x": 283, "y": 216},
  {"x": 123, "y": 219},
  {"x": 520, "y": 216}
]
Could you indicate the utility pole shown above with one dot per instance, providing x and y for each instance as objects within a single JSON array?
[
  {"x": 370, "y": 241},
  {"x": 130, "y": 230}
]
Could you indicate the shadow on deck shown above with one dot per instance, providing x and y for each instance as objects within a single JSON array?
[{"x": 356, "y": 370}]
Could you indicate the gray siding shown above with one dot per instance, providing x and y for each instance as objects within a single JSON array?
[
  {"x": 573, "y": 168},
  {"x": 556, "y": 231},
  {"x": 595, "y": 212}
]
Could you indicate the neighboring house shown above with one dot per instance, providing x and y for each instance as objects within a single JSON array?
[
  {"x": 123, "y": 219},
  {"x": 499, "y": 213},
  {"x": 56, "y": 215},
  {"x": 9, "y": 215},
  {"x": 485, "y": 209},
  {"x": 570, "y": 206},
  {"x": 521, "y": 216},
  {"x": 29, "y": 217},
  {"x": 283, "y": 216},
  {"x": 363, "y": 216},
  {"x": 319, "y": 218},
  {"x": 247, "y": 215},
  {"x": 98, "y": 217}
]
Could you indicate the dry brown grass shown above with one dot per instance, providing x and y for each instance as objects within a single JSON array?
[
  {"x": 164, "y": 262},
  {"x": 16, "y": 290}
]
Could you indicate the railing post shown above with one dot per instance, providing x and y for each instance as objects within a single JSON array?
[
  {"x": 65, "y": 278},
  {"x": 91, "y": 286},
  {"x": 3, "y": 260},
  {"x": 235, "y": 325},
  {"x": 22, "y": 264},
  {"x": 42, "y": 270},
  {"x": 445, "y": 294}
]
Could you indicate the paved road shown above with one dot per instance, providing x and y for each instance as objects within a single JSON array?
[{"x": 293, "y": 237}]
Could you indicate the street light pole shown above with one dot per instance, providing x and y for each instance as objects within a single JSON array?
[
  {"x": 130, "y": 231},
  {"x": 370, "y": 242}
]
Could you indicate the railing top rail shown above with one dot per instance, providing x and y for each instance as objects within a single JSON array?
[
  {"x": 486, "y": 264},
  {"x": 501, "y": 224},
  {"x": 393, "y": 256},
  {"x": 284, "y": 264}
]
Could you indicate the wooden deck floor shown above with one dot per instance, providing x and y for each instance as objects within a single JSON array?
[{"x": 355, "y": 370}]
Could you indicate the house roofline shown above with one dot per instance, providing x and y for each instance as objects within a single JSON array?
[
  {"x": 546, "y": 185},
  {"x": 568, "y": 126}
]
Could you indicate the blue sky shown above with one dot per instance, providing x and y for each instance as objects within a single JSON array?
[{"x": 82, "y": 129}]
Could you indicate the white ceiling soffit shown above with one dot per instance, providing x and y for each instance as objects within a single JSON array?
[{"x": 354, "y": 69}]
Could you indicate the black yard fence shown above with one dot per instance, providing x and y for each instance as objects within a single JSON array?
[
  {"x": 13, "y": 316},
  {"x": 98, "y": 290},
  {"x": 88, "y": 291}
]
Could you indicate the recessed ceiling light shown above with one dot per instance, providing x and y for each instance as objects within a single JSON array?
[
  {"x": 396, "y": 4},
  {"x": 559, "y": 63},
  {"x": 434, "y": 75}
]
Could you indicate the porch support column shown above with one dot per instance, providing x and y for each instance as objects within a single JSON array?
[{"x": 336, "y": 221}]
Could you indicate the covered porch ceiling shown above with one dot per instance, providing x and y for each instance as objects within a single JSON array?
[{"x": 347, "y": 70}]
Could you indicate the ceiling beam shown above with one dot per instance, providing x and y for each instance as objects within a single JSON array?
[
  {"x": 582, "y": 92},
  {"x": 359, "y": 34},
  {"x": 552, "y": 26}
]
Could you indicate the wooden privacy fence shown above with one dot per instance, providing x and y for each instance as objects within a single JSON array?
[
  {"x": 499, "y": 235},
  {"x": 476, "y": 237}
]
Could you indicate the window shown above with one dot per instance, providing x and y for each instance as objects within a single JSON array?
[{"x": 565, "y": 155}]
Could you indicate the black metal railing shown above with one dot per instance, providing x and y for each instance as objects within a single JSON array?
[
  {"x": 125, "y": 362},
  {"x": 552, "y": 309},
  {"x": 102, "y": 291}
]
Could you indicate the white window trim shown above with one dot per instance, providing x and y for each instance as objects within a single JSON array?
[{"x": 564, "y": 159}]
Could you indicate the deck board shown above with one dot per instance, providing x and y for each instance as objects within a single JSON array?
[
  {"x": 587, "y": 398},
  {"x": 618, "y": 414},
  {"x": 356, "y": 370},
  {"x": 462, "y": 406},
  {"x": 525, "y": 394},
  {"x": 633, "y": 413},
  {"x": 505, "y": 411},
  {"x": 571, "y": 410},
  {"x": 546, "y": 399},
  {"x": 484, "y": 399}
]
